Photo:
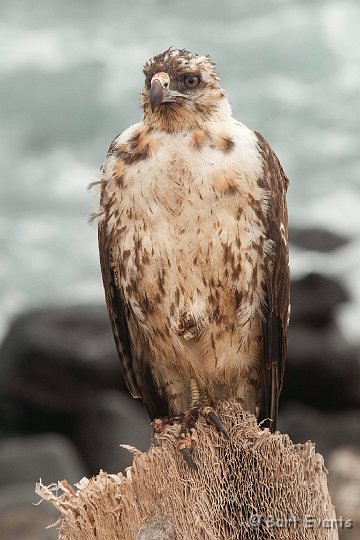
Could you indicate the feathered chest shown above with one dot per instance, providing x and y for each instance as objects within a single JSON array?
[
  {"x": 183, "y": 178},
  {"x": 192, "y": 209}
]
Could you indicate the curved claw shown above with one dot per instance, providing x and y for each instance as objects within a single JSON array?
[
  {"x": 215, "y": 421},
  {"x": 186, "y": 453}
]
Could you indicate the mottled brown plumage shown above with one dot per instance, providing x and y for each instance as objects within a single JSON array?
[{"x": 193, "y": 247}]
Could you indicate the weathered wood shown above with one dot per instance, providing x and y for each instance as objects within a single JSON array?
[{"x": 254, "y": 485}]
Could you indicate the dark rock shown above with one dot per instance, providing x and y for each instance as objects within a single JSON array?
[
  {"x": 59, "y": 370},
  {"x": 315, "y": 298},
  {"x": 316, "y": 239},
  {"x": 51, "y": 457},
  {"x": 21, "y": 519},
  {"x": 113, "y": 418},
  {"x": 53, "y": 361},
  {"x": 327, "y": 430},
  {"x": 23, "y": 461},
  {"x": 322, "y": 370}
]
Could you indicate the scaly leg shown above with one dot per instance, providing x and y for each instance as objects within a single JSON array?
[{"x": 198, "y": 407}]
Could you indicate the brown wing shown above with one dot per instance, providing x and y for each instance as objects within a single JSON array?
[
  {"x": 274, "y": 327},
  {"x": 134, "y": 352}
]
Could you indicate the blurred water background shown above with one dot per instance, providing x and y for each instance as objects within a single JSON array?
[{"x": 70, "y": 76}]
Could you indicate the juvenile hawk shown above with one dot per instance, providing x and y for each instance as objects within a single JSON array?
[{"x": 193, "y": 249}]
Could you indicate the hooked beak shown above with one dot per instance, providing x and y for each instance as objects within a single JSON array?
[{"x": 160, "y": 94}]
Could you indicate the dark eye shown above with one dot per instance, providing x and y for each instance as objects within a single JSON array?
[{"x": 191, "y": 81}]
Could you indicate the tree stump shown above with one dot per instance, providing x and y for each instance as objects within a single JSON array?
[{"x": 254, "y": 485}]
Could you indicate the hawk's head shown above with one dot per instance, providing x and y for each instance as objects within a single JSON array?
[{"x": 182, "y": 90}]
